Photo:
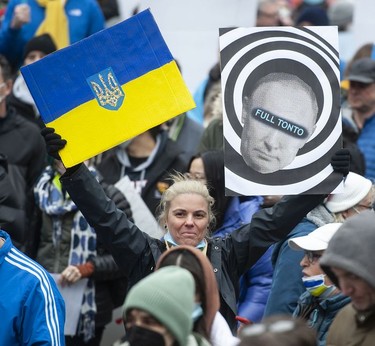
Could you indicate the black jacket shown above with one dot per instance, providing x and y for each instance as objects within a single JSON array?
[
  {"x": 12, "y": 215},
  {"x": 136, "y": 252}
]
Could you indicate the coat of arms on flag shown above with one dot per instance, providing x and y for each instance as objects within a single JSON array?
[{"x": 108, "y": 88}]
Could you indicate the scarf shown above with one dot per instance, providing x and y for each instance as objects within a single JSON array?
[
  {"x": 53, "y": 201},
  {"x": 55, "y": 22}
]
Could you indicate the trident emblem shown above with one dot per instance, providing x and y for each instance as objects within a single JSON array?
[{"x": 106, "y": 89}]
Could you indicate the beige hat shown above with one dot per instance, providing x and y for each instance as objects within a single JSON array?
[{"x": 356, "y": 188}]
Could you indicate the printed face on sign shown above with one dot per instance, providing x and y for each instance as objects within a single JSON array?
[{"x": 278, "y": 117}]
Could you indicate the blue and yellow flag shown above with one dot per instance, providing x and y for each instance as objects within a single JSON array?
[{"x": 108, "y": 88}]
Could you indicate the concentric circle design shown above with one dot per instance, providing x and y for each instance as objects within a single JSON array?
[{"x": 247, "y": 55}]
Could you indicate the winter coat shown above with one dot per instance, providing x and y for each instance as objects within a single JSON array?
[
  {"x": 31, "y": 308},
  {"x": 365, "y": 141},
  {"x": 351, "y": 328},
  {"x": 12, "y": 215},
  {"x": 136, "y": 252},
  {"x": 287, "y": 285},
  {"x": 255, "y": 284},
  {"x": 24, "y": 147},
  {"x": 323, "y": 312}
]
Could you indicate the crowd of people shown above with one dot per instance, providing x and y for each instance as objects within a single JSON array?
[{"x": 228, "y": 270}]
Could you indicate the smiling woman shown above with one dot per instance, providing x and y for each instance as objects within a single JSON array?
[
  {"x": 186, "y": 211},
  {"x": 185, "y": 206}
]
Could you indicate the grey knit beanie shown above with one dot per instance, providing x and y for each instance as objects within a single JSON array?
[
  {"x": 168, "y": 295},
  {"x": 352, "y": 248}
]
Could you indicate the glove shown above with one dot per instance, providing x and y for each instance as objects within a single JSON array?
[
  {"x": 54, "y": 142},
  {"x": 119, "y": 199},
  {"x": 86, "y": 269},
  {"x": 340, "y": 161}
]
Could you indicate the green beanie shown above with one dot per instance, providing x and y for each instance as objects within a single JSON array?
[{"x": 168, "y": 295}]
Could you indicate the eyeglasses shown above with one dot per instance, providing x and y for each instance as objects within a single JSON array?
[
  {"x": 312, "y": 256},
  {"x": 364, "y": 207},
  {"x": 261, "y": 328}
]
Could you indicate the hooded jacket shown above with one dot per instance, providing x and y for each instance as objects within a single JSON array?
[
  {"x": 351, "y": 249},
  {"x": 348, "y": 329}
]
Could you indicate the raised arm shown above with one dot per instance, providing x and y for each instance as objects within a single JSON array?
[{"x": 115, "y": 232}]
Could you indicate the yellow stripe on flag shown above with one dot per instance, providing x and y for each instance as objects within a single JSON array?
[{"x": 149, "y": 101}]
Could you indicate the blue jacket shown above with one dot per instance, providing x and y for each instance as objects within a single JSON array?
[
  {"x": 85, "y": 18},
  {"x": 287, "y": 285},
  {"x": 323, "y": 311},
  {"x": 365, "y": 141},
  {"x": 31, "y": 308},
  {"x": 366, "y": 144},
  {"x": 255, "y": 284}
]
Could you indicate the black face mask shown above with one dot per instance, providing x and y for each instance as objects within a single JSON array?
[{"x": 138, "y": 336}]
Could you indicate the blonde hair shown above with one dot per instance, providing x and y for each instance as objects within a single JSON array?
[{"x": 182, "y": 184}]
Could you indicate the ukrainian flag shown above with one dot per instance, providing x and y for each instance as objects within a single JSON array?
[{"x": 108, "y": 88}]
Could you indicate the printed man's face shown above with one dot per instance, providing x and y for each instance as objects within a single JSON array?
[{"x": 278, "y": 120}]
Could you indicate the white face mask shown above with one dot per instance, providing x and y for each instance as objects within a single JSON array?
[
  {"x": 315, "y": 284},
  {"x": 21, "y": 91}
]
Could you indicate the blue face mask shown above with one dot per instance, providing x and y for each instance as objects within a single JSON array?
[
  {"x": 313, "y": 2},
  {"x": 197, "y": 312},
  {"x": 315, "y": 285}
]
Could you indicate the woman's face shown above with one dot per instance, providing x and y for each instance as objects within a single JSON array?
[
  {"x": 196, "y": 170},
  {"x": 188, "y": 219}
]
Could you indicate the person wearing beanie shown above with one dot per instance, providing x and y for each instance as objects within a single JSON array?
[
  {"x": 208, "y": 321},
  {"x": 321, "y": 301},
  {"x": 158, "y": 309},
  {"x": 349, "y": 262},
  {"x": 42, "y": 45},
  {"x": 20, "y": 98},
  {"x": 357, "y": 196}
]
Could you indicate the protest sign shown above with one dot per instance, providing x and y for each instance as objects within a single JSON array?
[{"x": 108, "y": 88}]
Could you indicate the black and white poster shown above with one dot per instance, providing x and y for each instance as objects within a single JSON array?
[{"x": 281, "y": 109}]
